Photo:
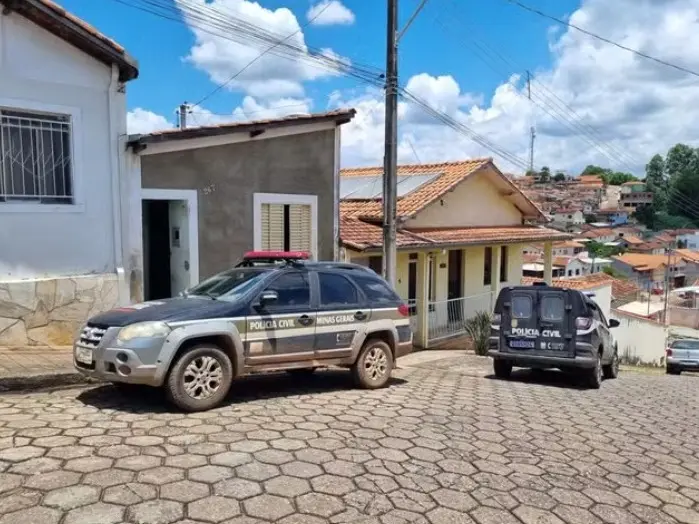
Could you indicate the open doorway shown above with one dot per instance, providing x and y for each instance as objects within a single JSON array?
[{"x": 170, "y": 242}]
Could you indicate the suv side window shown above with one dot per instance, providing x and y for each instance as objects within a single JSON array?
[
  {"x": 336, "y": 290},
  {"x": 597, "y": 315},
  {"x": 377, "y": 291},
  {"x": 293, "y": 290}
]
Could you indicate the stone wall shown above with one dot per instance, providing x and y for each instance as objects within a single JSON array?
[{"x": 49, "y": 312}]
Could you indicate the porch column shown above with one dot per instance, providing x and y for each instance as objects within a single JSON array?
[
  {"x": 496, "y": 262},
  {"x": 548, "y": 262},
  {"x": 422, "y": 298}
]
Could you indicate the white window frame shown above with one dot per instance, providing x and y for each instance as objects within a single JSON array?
[
  {"x": 285, "y": 199},
  {"x": 76, "y": 134}
]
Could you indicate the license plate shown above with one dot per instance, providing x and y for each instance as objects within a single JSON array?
[
  {"x": 83, "y": 355},
  {"x": 522, "y": 344}
]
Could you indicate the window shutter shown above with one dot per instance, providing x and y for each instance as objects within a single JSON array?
[
  {"x": 272, "y": 227},
  {"x": 300, "y": 227}
]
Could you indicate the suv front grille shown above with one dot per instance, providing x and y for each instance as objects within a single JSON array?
[{"x": 91, "y": 336}]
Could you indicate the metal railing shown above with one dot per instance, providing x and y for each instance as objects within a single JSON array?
[{"x": 447, "y": 318}]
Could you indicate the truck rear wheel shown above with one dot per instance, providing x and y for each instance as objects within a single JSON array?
[
  {"x": 502, "y": 368},
  {"x": 595, "y": 374},
  {"x": 200, "y": 378},
  {"x": 373, "y": 367},
  {"x": 612, "y": 370}
]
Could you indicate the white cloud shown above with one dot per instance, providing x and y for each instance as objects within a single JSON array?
[
  {"x": 141, "y": 121},
  {"x": 271, "y": 76},
  {"x": 330, "y": 12},
  {"x": 633, "y": 105}
]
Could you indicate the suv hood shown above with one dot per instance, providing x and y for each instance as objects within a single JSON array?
[{"x": 169, "y": 310}]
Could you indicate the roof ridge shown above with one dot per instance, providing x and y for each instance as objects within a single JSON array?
[{"x": 480, "y": 160}]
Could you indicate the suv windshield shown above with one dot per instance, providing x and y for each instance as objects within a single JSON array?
[{"x": 229, "y": 284}]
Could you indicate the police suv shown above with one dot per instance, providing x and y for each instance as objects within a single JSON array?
[
  {"x": 548, "y": 327},
  {"x": 292, "y": 315}
]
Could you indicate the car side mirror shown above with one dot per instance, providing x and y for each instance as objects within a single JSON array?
[
  {"x": 614, "y": 323},
  {"x": 268, "y": 297}
]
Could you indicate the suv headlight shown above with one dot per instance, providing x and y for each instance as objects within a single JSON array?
[{"x": 143, "y": 330}]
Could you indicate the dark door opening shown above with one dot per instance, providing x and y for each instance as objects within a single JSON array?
[
  {"x": 455, "y": 287},
  {"x": 156, "y": 250},
  {"x": 412, "y": 284}
]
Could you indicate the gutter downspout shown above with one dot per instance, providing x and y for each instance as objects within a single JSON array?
[
  {"x": 336, "y": 195},
  {"x": 114, "y": 153}
]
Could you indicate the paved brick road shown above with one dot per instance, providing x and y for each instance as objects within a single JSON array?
[{"x": 443, "y": 444}]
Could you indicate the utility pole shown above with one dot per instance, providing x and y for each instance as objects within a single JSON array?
[
  {"x": 532, "y": 129},
  {"x": 390, "y": 178},
  {"x": 182, "y": 113},
  {"x": 667, "y": 283}
]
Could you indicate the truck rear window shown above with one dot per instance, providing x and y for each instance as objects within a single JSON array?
[
  {"x": 521, "y": 306},
  {"x": 552, "y": 308},
  {"x": 685, "y": 344}
]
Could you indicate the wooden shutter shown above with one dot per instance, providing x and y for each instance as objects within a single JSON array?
[
  {"x": 272, "y": 227},
  {"x": 300, "y": 227}
]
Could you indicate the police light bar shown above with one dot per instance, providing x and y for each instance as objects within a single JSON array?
[{"x": 275, "y": 255}]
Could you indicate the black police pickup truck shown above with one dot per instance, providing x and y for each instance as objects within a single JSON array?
[{"x": 548, "y": 327}]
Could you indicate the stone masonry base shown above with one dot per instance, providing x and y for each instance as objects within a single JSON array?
[{"x": 48, "y": 312}]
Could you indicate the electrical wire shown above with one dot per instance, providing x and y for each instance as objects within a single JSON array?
[
  {"x": 263, "y": 53},
  {"x": 601, "y": 38}
]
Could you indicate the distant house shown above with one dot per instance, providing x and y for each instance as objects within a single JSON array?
[
  {"x": 634, "y": 194},
  {"x": 689, "y": 239},
  {"x": 691, "y": 259},
  {"x": 629, "y": 242},
  {"x": 601, "y": 235},
  {"x": 567, "y": 218},
  {"x": 615, "y": 217},
  {"x": 460, "y": 238},
  {"x": 650, "y": 271}
]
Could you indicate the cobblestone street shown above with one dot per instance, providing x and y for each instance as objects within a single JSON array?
[{"x": 445, "y": 443}]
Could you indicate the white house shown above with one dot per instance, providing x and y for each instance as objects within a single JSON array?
[{"x": 63, "y": 219}]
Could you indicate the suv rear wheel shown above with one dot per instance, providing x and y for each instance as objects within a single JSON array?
[
  {"x": 612, "y": 369},
  {"x": 200, "y": 378},
  {"x": 373, "y": 367},
  {"x": 502, "y": 368},
  {"x": 595, "y": 374}
]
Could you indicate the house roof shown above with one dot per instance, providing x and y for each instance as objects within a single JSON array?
[
  {"x": 688, "y": 255},
  {"x": 55, "y": 19},
  {"x": 610, "y": 211},
  {"x": 255, "y": 127},
  {"x": 599, "y": 232},
  {"x": 451, "y": 174},
  {"x": 581, "y": 283},
  {"x": 360, "y": 235},
  {"x": 634, "y": 240},
  {"x": 645, "y": 261}
]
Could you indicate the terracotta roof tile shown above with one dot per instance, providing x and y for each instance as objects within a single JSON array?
[
  {"x": 361, "y": 235},
  {"x": 451, "y": 174},
  {"x": 646, "y": 262},
  {"x": 688, "y": 255},
  {"x": 582, "y": 283}
]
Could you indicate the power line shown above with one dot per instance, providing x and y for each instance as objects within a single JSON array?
[
  {"x": 263, "y": 53},
  {"x": 603, "y": 39}
]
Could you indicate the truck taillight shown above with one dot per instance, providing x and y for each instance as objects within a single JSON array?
[
  {"x": 668, "y": 352},
  {"x": 404, "y": 310},
  {"x": 583, "y": 323},
  {"x": 497, "y": 319}
]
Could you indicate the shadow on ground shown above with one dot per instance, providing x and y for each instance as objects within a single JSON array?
[
  {"x": 546, "y": 377},
  {"x": 140, "y": 399}
]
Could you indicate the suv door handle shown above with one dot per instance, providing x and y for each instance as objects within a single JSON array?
[
  {"x": 360, "y": 315},
  {"x": 305, "y": 320}
]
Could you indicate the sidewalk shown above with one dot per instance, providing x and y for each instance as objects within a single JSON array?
[{"x": 30, "y": 367}]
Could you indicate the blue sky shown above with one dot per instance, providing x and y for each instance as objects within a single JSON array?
[{"x": 166, "y": 79}]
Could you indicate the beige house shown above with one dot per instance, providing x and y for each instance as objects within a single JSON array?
[{"x": 462, "y": 227}]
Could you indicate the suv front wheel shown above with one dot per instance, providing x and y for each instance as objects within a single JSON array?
[
  {"x": 200, "y": 379},
  {"x": 373, "y": 367}
]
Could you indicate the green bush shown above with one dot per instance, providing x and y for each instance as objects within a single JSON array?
[{"x": 478, "y": 328}]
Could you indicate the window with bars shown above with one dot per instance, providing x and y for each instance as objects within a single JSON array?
[
  {"x": 35, "y": 157},
  {"x": 286, "y": 227}
]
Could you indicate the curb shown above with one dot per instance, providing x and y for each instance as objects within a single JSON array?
[{"x": 40, "y": 381}]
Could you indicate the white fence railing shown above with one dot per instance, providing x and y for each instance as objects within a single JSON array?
[{"x": 447, "y": 318}]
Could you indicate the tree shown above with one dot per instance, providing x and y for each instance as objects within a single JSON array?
[
  {"x": 545, "y": 175},
  {"x": 646, "y": 216},
  {"x": 559, "y": 177},
  {"x": 593, "y": 170},
  {"x": 530, "y": 172},
  {"x": 682, "y": 170},
  {"x": 618, "y": 178}
]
